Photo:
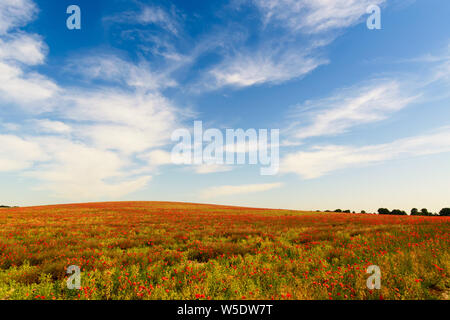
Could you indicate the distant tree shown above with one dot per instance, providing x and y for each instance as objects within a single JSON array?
[
  {"x": 327, "y": 211},
  {"x": 5, "y": 207},
  {"x": 362, "y": 211},
  {"x": 424, "y": 212},
  {"x": 445, "y": 212},
  {"x": 338, "y": 210},
  {"x": 414, "y": 212},
  {"x": 346, "y": 211},
  {"x": 398, "y": 212},
  {"x": 383, "y": 211}
]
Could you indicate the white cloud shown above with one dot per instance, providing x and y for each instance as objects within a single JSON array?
[
  {"x": 115, "y": 137},
  {"x": 49, "y": 126},
  {"x": 127, "y": 122},
  {"x": 18, "y": 154},
  {"x": 15, "y": 13},
  {"x": 30, "y": 90},
  {"x": 148, "y": 15},
  {"x": 263, "y": 67},
  {"x": 325, "y": 159},
  {"x": 24, "y": 48},
  {"x": 315, "y": 16},
  {"x": 150, "y": 110},
  {"x": 228, "y": 190},
  {"x": 77, "y": 171},
  {"x": 442, "y": 72},
  {"x": 158, "y": 157},
  {"x": 353, "y": 107},
  {"x": 154, "y": 15},
  {"x": 116, "y": 70}
]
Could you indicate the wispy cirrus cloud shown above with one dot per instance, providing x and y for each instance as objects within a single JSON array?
[
  {"x": 314, "y": 16},
  {"x": 115, "y": 70},
  {"x": 148, "y": 15},
  {"x": 352, "y": 107},
  {"x": 306, "y": 26},
  {"x": 15, "y": 13},
  {"x": 325, "y": 159},
  {"x": 263, "y": 67}
]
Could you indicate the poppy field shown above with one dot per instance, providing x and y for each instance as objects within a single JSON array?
[{"x": 157, "y": 250}]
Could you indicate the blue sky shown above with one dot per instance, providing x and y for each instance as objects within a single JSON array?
[{"x": 364, "y": 115}]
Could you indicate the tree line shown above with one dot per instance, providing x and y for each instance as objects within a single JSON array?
[{"x": 445, "y": 212}]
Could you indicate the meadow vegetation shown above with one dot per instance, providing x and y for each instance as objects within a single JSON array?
[{"x": 155, "y": 250}]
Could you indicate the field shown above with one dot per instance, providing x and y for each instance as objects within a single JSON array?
[{"x": 156, "y": 250}]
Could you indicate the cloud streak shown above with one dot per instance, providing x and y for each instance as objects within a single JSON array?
[
  {"x": 306, "y": 26},
  {"x": 264, "y": 67},
  {"x": 353, "y": 107},
  {"x": 323, "y": 160},
  {"x": 314, "y": 16},
  {"x": 148, "y": 15}
]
